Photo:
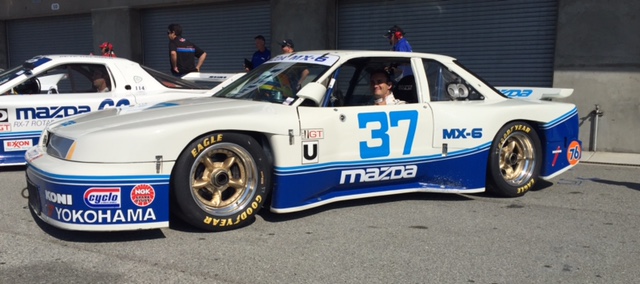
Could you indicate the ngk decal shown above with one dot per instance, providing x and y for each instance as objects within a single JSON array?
[
  {"x": 17, "y": 145},
  {"x": 102, "y": 198},
  {"x": 142, "y": 195}
]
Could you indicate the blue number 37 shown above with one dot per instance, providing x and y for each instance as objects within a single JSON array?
[{"x": 381, "y": 134}]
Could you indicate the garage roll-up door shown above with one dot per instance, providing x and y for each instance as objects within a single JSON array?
[
  {"x": 506, "y": 42},
  {"x": 49, "y": 35},
  {"x": 226, "y": 32}
]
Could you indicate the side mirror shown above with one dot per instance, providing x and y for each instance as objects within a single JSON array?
[{"x": 313, "y": 91}]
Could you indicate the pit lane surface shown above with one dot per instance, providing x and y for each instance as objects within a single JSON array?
[{"x": 582, "y": 228}]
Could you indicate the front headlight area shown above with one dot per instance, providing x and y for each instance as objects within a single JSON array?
[{"x": 58, "y": 146}]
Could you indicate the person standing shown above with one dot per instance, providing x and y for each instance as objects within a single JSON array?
[
  {"x": 182, "y": 52},
  {"x": 397, "y": 40},
  {"x": 296, "y": 80},
  {"x": 107, "y": 49},
  {"x": 262, "y": 55}
]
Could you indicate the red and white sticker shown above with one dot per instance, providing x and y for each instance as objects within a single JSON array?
[
  {"x": 17, "y": 145},
  {"x": 143, "y": 195},
  {"x": 5, "y": 127}
]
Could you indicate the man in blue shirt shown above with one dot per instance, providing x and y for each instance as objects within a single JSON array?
[
  {"x": 396, "y": 38},
  {"x": 261, "y": 55}
]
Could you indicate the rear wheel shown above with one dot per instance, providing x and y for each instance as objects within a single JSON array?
[
  {"x": 514, "y": 160},
  {"x": 221, "y": 181}
]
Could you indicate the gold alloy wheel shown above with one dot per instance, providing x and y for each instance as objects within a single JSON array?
[
  {"x": 223, "y": 179},
  {"x": 517, "y": 159}
]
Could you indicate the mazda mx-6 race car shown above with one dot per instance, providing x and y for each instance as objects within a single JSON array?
[
  {"x": 299, "y": 131},
  {"x": 48, "y": 87}
]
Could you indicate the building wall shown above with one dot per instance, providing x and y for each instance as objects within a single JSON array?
[
  {"x": 310, "y": 24},
  {"x": 3, "y": 45},
  {"x": 598, "y": 55}
]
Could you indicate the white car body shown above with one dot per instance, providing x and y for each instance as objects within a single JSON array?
[
  {"x": 320, "y": 147},
  {"x": 66, "y": 90}
]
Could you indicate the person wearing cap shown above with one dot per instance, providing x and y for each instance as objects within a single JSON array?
[
  {"x": 397, "y": 40},
  {"x": 261, "y": 55},
  {"x": 297, "y": 81},
  {"x": 182, "y": 52},
  {"x": 287, "y": 46},
  {"x": 107, "y": 49}
]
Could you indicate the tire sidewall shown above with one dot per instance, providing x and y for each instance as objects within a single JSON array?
[
  {"x": 496, "y": 182},
  {"x": 188, "y": 208}
]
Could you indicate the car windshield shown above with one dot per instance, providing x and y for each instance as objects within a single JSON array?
[
  {"x": 278, "y": 80},
  {"x": 172, "y": 81},
  {"x": 7, "y": 75}
]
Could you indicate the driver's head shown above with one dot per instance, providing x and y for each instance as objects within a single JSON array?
[
  {"x": 99, "y": 81},
  {"x": 380, "y": 83}
]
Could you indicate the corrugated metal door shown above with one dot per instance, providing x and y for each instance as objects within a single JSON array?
[
  {"x": 49, "y": 35},
  {"x": 506, "y": 42},
  {"x": 224, "y": 32}
]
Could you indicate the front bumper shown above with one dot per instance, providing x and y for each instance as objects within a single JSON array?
[{"x": 98, "y": 197}]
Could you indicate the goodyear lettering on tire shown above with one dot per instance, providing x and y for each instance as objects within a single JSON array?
[{"x": 250, "y": 210}]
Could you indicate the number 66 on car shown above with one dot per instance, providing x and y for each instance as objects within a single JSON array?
[{"x": 215, "y": 162}]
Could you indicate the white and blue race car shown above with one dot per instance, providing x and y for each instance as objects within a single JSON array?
[
  {"x": 45, "y": 88},
  {"x": 299, "y": 131}
]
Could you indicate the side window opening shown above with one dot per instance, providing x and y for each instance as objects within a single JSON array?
[
  {"x": 445, "y": 85},
  {"x": 353, "y": 82},
  {"x": 74, "y": 78}
]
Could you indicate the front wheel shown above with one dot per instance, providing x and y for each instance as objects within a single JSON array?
[
  {"x": 514, "y": 160},
  {"x": 221, "y": 181}
]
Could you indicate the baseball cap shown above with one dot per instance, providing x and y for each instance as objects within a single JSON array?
[
  {"x": 105, "y": 45},
  {"x": 393, "y": 30},
  {"x": 287, "y": 42}
]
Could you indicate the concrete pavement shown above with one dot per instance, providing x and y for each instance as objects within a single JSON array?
[{"x": 610, "y": 158}]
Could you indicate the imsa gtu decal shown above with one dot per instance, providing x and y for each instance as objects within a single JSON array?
[{"x": 309, "y": 152}]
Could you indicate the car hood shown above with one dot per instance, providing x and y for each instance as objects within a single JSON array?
[{"x": 138, "y": 134}]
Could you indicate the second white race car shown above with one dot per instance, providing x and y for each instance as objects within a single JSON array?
[{"x": 46, "y": 88}]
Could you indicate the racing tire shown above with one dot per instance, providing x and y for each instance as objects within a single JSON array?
[
  {"x": 515, "y": 159},
  {"x": 221, "y": 181}
]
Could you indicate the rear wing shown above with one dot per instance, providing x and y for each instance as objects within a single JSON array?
[
  {"x": 535, "y": 93},
  {"x": 219, "y": 80},
  {"x": 208, "y": 77}
]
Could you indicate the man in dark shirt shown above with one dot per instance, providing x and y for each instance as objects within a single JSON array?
[{"x": 182, "y": 52}]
